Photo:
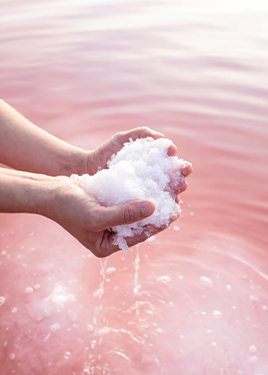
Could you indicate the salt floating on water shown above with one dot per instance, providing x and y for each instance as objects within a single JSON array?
[
  {"x": 142, "y": 169},
  {"x": 206, "y": 281}
]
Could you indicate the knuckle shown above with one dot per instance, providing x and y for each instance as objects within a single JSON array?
[{"x": 129, "y": 216}]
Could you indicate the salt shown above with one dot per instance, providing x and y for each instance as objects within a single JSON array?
[{"x": 142, "y": 169}]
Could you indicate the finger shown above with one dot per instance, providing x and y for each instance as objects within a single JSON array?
[
  {"x": 172, "y": 150},
  {"x": 142, "y": 132},
  {"x": 187, "y": 169},
  {"x": 125, "y": 213},
  {"x": 107, "y": 246}
]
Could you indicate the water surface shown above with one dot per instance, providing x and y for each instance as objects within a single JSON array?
[{"x": 194, "y": 299}]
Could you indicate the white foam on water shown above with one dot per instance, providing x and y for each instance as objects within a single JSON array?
[{"x": 142, "y": 169}]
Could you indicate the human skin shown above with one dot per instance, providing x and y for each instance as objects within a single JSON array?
[{"x": 40, "y": 182}]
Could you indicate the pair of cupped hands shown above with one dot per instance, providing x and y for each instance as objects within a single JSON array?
[{"x": 82, "y": 215}]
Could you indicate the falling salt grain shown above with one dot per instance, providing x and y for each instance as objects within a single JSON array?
[
  {"x": 2, "y": 300},
  {"x": 176, "y": 228},
  {"x": 14, "y": 310},
  {"x": 228, "y": 287}
]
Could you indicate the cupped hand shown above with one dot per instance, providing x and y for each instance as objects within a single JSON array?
[
  {"x": 83, "y": 217},
  {"x": 98, "y": 158}
]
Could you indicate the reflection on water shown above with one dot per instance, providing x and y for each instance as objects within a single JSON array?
[{"x": 194, "y": 299}]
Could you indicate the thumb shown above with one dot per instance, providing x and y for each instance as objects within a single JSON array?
[{"x": 125, "y": 213}]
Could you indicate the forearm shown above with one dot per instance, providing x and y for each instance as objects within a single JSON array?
[
  {"x": 26, "y": 147},
  {"x": 25, "y": 192}
]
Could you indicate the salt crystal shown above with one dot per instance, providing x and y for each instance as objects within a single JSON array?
[
  {"x": 206, "y": 281},
  {"x": 143, "y": 170},
  {"x": 28, "y": 290},
  {"x": 2, "y": 300},
  {"x": 216, "y": 314}
]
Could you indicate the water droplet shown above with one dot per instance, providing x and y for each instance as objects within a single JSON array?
[
  {"x": 206, "y": 281},
  {"x": 93, "y": 343},
  {"x": 150, "y": 239},
  {"x": 2, "y": 300},
  {"x": 54, "y": 327},
  {"x": 67, "y": 355},
  {"x": 164, "y": 279},
  {"x": 252, "y": 349},
  {"x": 253, "y": 298},
  {"x": 216, "y": 314},
  {"x": 90, "y": 327},
  {"x": 29, "y": 289},
  {"x": 110, "y": 270},
  {"x": 253, "y": 359},
  {"x": 98, "y": 293}
]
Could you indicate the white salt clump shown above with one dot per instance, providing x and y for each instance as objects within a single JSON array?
[{"x": 142, "y": 169}]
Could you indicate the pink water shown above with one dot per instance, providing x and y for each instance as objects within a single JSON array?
[{"x": 197, "y": 302}]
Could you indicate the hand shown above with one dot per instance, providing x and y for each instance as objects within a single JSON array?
[
  {"x": 83, "y": 217},
  {"x": 98, "y": 158}
]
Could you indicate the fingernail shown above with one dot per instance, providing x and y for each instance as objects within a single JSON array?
[{"x": 147, "y": 209}]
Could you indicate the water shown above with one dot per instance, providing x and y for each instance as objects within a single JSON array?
[{"x": 198, "y": 73}]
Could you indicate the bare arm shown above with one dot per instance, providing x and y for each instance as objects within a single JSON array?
[
  {"x": 62, "y": 201},
  {"x": 26, "y": 147}
]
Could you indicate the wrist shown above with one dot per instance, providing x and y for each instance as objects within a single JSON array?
[{"x": 25, "y": 192}]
